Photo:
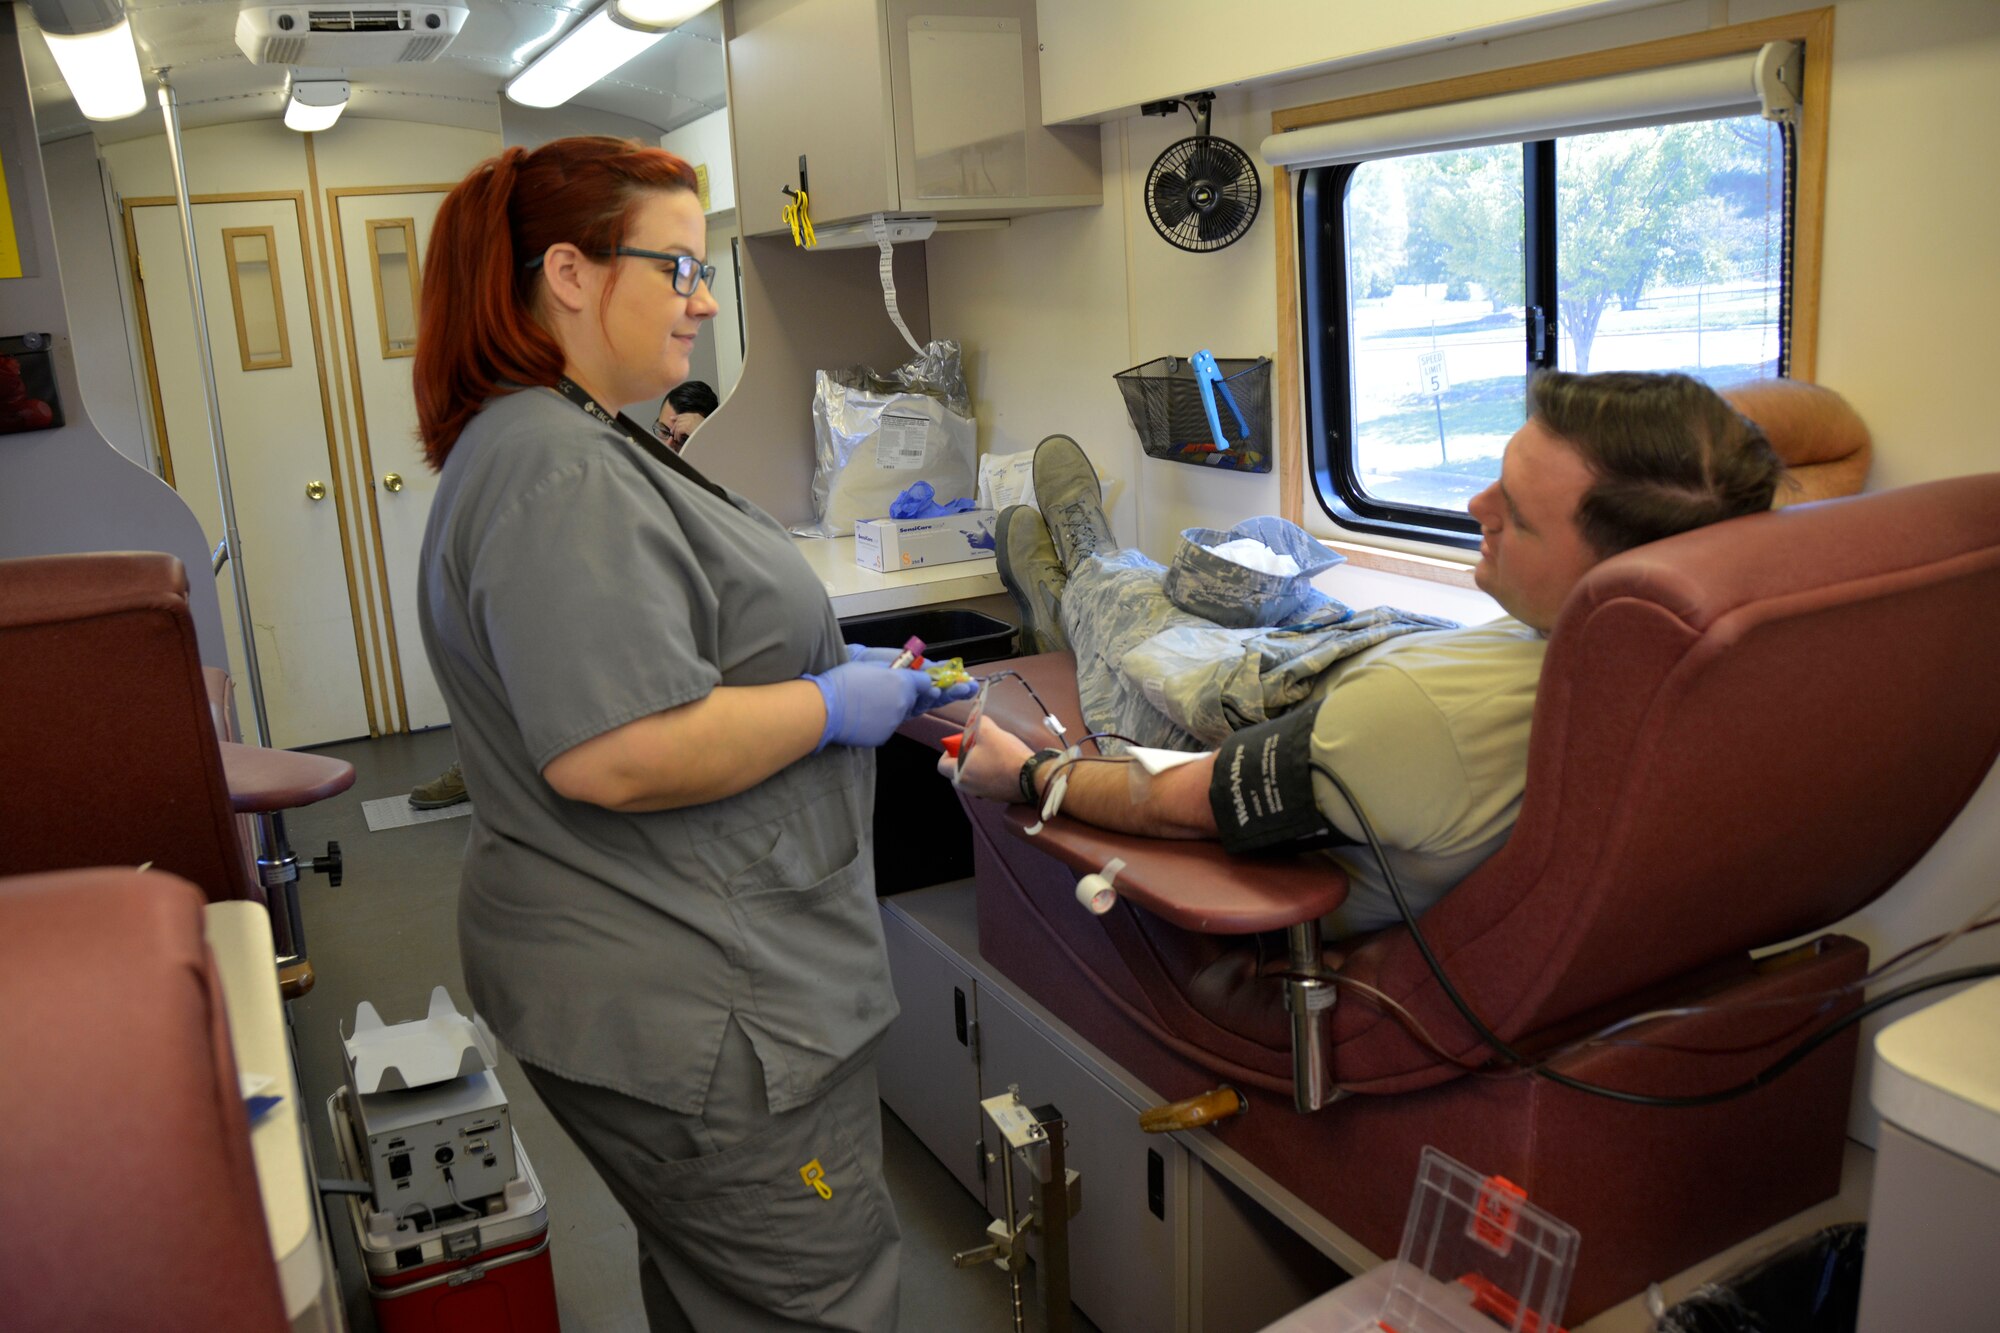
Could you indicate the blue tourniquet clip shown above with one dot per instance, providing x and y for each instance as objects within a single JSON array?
[{"x": 1208, "y": 377}]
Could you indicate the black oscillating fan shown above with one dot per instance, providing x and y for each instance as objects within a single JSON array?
[{"x": 1202, "y": 193}]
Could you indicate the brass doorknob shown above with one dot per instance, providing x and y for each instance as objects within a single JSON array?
[
  {"x": 392, "y": 482},
  {"x": 315, "y": 490}
]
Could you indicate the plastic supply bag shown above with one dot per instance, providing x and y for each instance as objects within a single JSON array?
[
  {"x": 1007, "y": 479},
  {"x": 875, "y": 435},
  {"x": 1810, "y": 1286}
]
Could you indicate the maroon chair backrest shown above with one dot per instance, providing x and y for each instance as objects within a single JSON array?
[
  {"x": 1743, "y": 734},
  {"x": 106, "y": 738},
  {"x": 128, "y": 1194}
]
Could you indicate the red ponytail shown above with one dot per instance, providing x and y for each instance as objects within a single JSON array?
[{"x": 477, "y": 334}]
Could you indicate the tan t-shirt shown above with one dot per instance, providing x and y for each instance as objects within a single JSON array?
[{"x": 1431, "y": 733}]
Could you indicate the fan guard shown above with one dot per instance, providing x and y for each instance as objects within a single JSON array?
[{"x": 1203, "y": 193}]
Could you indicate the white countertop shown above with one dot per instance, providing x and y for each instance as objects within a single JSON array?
[
  {"x": 239, "y": 935},
  {"x": 856, "y": 591},
  {"x": 1937, "y": 1073}
]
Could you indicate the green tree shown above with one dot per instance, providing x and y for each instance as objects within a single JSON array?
[
  {"x": 1378, "y": 228},
  {"x": 1676, "y": 203},
  {"x": 1631, "y": 207},
  {"x": 1465, "y": 221}
]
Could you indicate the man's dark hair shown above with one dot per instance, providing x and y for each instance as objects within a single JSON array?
[
  {"x": 693, "y": 396},
  {"x": 1668, "y": 454}
]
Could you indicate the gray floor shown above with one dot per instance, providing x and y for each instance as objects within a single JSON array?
[{"x": 388, "y": 935}]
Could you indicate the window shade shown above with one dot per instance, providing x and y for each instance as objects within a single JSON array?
[{"x": 1765, "y": 81}]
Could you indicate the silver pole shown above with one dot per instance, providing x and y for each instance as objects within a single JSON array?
[{"x": 170, "y": 112}]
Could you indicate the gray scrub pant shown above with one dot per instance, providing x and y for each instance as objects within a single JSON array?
[{"x": 747, "y": 1221}]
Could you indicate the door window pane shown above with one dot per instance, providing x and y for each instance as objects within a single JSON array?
[
  {"x": 261, "y": 337},
  {"x": 1434, "y": 275},
  {"x": 392, "y": 249},
  {"x": 1670, "y": 249}
]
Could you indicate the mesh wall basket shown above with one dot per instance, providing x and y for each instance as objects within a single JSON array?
[{"x": 1166, "y": 409}]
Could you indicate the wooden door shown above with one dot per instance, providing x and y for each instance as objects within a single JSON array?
[
  {"x": 379, "y": 241},
  {"x": 277, "y": 428}
]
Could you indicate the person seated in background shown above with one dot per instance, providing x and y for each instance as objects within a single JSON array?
[
  {"x": 685, "y": 407},
  {"x": 1429, "y": 730}
]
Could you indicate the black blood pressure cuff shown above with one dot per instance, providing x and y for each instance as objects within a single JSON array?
[{"x": 1261, "y": 790}]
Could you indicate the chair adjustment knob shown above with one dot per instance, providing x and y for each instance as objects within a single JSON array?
[{"x": 329, "y": 865}]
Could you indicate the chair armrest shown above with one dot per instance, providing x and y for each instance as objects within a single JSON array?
[
  {"x": 1195, "y": 885},
  {"x": 262, "y": 780}
]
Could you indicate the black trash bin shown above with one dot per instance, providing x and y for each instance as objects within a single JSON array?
[
  {"x": 1810, "y": 1286},
  {"x": 921, "y": 835}
]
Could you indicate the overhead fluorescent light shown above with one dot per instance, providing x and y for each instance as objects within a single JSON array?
[
  {"x": 661, "y": 13},
  {"x": 314, "y": 104},
  {"x": 588, "y": 52},
  {"x": 100, "y": 67}
]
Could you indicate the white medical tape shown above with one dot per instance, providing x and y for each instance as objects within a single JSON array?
[
  {"x": 1099, "y": 892},
  {"x": 885, "y": 267}
]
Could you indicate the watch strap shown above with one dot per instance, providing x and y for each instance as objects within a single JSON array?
[{"x": 1029, "y": 767}]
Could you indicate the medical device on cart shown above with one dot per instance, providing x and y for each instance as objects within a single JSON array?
[{"x": 429, "y": 1115}]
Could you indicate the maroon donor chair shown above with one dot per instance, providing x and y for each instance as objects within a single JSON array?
[{"x": 1743, "y": 735}]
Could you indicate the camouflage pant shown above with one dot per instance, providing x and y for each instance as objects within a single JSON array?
[{"x": 1173, "y": 680}]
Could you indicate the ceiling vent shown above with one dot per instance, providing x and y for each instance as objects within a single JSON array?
[{"x": 347, "y": 36}]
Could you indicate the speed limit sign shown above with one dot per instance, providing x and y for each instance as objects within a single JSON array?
[{"x": 1430, "y": 373}]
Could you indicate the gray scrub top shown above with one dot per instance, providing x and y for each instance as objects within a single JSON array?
[{"x": 570, "y": 584}]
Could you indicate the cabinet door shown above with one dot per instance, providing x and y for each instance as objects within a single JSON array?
[
  {"x": 810, "y": 78},
  {"x": 1127, "y": 1244},
  {"x": 928, "y": 1065},
  {"x": 967, "y": 89}
]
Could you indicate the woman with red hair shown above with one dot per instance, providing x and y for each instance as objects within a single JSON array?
[{"x": 667, "y": 908}]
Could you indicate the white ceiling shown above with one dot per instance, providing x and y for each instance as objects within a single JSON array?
[{"x": 681, "y": 79}]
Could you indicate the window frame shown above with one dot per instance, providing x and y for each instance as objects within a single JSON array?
[{"x": 1419, "y": 551}]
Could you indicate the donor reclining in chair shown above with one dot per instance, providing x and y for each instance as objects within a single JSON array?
[
  {"x": 1429, "y": 729},
  {"x": 1740, "y": 735}
]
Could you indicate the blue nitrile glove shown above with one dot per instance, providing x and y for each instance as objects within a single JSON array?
[
  {"x": 866, "y": 701},
  {"x": 861, "y": 652},
  {"x": 920, "y": 500}
]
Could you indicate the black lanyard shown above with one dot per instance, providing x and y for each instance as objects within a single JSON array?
[{"x": 640, "y": 436}]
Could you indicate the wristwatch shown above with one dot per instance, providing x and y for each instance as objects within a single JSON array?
[{"x": 1029, "y": 767}]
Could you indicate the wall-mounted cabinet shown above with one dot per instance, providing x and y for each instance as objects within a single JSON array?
[{"x": 930, "y": 107}]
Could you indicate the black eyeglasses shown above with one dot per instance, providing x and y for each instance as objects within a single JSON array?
[{"x": 689, "y": 272}]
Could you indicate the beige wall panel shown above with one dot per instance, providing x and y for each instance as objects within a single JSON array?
[
  {"x": 252, "y": 156},
  {"x": 359, "y": 151}
]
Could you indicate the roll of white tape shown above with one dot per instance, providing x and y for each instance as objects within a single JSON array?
[{"x": 1096, "y": 894}]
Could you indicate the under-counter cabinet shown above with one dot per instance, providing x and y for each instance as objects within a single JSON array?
[
  {"x": 929, "y": 107},
  {"x": 1163, "y": 1241}
]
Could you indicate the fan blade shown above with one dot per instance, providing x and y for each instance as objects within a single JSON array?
[
  {"x": 1227, "y": 215},
  {"x": 1171, "y": 209}
]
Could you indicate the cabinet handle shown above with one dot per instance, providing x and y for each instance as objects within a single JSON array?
[
  {"x": 392, "y": 482},
  {"x": 958, "y": 1014},
  {"x": 315, "y": 491}
]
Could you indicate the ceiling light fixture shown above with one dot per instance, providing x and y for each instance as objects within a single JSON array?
[
  {"x": 661, "y": 13},
  {"x": 92, "y": 43},
  {"x": 593, "y": 48},
  {"x": 314, "y": 104}
]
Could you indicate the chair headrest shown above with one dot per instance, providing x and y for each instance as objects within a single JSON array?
[{"x": 77, "y": 587}]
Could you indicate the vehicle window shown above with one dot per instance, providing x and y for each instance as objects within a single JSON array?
[{"x": 1436, "y": 283}]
